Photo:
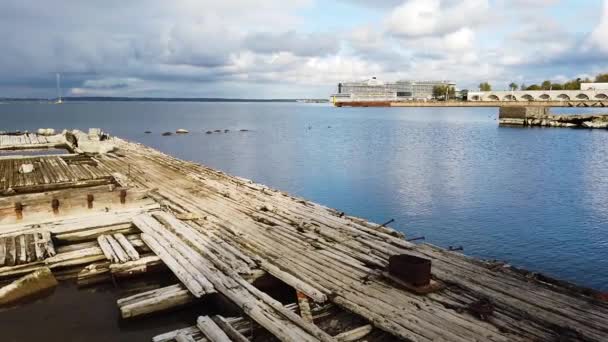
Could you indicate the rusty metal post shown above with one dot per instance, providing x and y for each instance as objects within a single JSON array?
[
  {"x": 55, "y": 205},
  {"x": 90, "y": 199},
  {"x": 123, "y": 196},
  {"x": 411, "y": 269},
  {"x": 19, "y": 210}
]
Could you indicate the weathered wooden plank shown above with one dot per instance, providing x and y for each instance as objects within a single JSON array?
[
  {"x": 185, "y": 256},
  {"x": 106, "y": 248},
  {"x": 127, "y": 246},
  {"x": 180, "y": 272},
  {"x": 154, "y": 301},
  {"x": 181, "y": 337},
  {"x": 230, "y": 331},
  {"x": 355, "y": 334},
  {"x": 2, "y": 251},
  {"x": 117, "y": 249},
  {"x": 211, "y": 330},
  {"x": 139, "y": 266}
]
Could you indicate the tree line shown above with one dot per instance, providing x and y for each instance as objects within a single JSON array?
[{"x": 549, "y": 85}]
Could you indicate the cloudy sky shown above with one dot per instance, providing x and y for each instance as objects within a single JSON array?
[{"x": 291, "y": 48}]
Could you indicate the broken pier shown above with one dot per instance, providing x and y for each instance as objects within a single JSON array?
[{"x": 110, "y": 210}]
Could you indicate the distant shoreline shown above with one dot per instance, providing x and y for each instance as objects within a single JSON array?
[{"x": 158, "y": 99}]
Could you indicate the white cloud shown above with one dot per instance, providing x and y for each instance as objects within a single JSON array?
[
  {"x": 415, "y": 18},
  {"x": 277, "y": 47},
  {"x": 599, "y": 34},
  {"x": 460, "y": 40}
]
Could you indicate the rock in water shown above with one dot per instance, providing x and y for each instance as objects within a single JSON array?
[
  {"x": 148, "y": 132},
  {"x": 26, "y": 168},
  {"x": 182, "y": 131},
  {"x": 166, "y": 134},
  {"x": 46, "y": 131},
  {"x": 27, "y": 286},
  {"x": 209, "y": 132}
]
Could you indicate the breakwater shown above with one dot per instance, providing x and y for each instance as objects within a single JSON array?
[
  {"x": 541, "y": 116},
  {"x": 480, "y": 104}
]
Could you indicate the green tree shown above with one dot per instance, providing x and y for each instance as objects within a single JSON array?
[
  {"x": 513, "y": 86},
  {"x": 546, "y": 85},
  {"x": 440, "y": 91},
  {"x": 534, "y": 87},
  {"x": 557, "y": 86},
  {"x": 572, "y": 85},
  {"x": 523, "y": 86},
  {"x": 601, "y": 78},
  {"x": 485, "y": 86},
  {"x": 575, "y": 84}
]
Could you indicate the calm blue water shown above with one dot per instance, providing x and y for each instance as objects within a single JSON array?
[{"x": 536, "y": 197}]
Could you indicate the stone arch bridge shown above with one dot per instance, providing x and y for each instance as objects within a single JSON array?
[{"x": 539, "y": 96}]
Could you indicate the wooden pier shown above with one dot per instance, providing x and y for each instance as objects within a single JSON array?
[{"x": 113, "y": 216}]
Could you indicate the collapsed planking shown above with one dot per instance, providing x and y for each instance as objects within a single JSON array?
[{"x": 218, "y": 234}]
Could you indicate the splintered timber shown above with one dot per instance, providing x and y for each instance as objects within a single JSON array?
[{"x": 111, "y": 209}]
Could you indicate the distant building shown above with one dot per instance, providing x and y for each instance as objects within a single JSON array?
[{"x": 376, "y": 90}]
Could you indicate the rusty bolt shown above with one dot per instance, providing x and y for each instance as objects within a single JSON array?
[
  {"x": 123, "y": 196},
  {"x": 90, "y": 199},
  {"x": 19, "y": 210},
  {"x": 55, "y": 205}
]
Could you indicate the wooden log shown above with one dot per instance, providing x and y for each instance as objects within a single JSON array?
[
  {"x": 154, "y": 301},
  {"x": 181, "y": 337},
  {"x": 39, "y": 245},
  {"x": 106, "y": 248},
  {"x": 180, "y": 272},
  {"x": 230, "y": 331},
  {"x": 50, "y": 248},
  {"x": 94, "y": 273},
  {"x": 79, "y": 257},
  {"x": 92, "y": 234},
  {"x": 120, "y": 254},
  {"x": 172, "y": 335},
  {"x": 22, "y": 251},
  {"x": 11, "y": 251},
  {"x": 142, "y": 265},
  {"x": 355, "y": 334},
  {"x": 2, "y": 251},
  {"x": 185, "y": 255},
  {"x": 211, "y": 330},
  {"x": 127, "y": 246},
  {"x": 244, "y": 295}
]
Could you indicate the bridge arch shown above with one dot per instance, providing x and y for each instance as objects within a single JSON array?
[
  {"x": 509, "y": 98},
  {"x": 475, "y": 98},
  {"x": 545, "y": 97},
  {"x": 582, "y": 97},
  {"x": 528, "y": 97},
  {"x": 563, "y": 97},
  {"x": 493, "y": 98},
  {"x": 601, "y": 96}
]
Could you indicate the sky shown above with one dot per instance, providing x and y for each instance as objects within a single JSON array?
[{"x": 291, "y": 48}]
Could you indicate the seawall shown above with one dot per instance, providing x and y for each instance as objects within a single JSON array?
[{"x": 541, "y": 116}]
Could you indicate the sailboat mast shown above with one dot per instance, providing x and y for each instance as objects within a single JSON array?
[{"x": 59, "y": 87}]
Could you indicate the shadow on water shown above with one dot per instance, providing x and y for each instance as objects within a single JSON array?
[{"x": 91, "y": 314}]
